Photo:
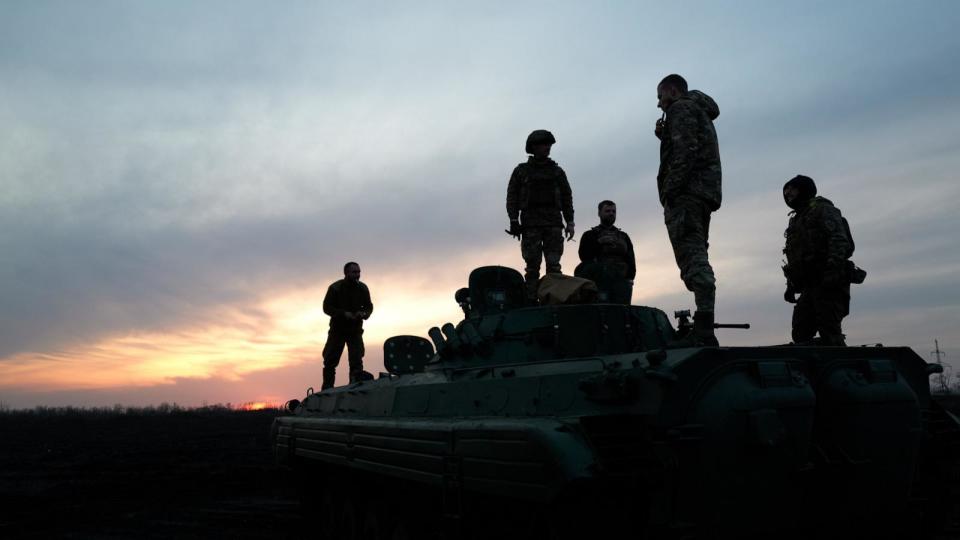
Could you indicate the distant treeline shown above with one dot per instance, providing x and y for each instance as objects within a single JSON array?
[
  {"x": 950, "y": 401},
  {"x": 163, "y": 409}
]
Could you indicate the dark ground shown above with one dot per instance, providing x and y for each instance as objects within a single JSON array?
[
  {"x": 181, "y": 474},
  {"x": 204, "y": 473}
]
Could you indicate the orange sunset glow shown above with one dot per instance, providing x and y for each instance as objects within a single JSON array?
[
  {"x": 177, "y": 197},
  {"x": 283, "y": 330}
]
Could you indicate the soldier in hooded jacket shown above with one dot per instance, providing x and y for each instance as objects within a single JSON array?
[
  {"x": 818, "y": 246},
  {"x": 539, "y": 201},
  {"x": 688, "y": 184}
]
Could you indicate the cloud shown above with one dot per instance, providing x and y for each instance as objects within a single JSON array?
[{"x": 172, "y": 170}]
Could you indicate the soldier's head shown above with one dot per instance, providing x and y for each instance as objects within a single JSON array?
[
  {"x": 351, "y": 271},
  {"x": 798, "y": 190},
  {"x": 607, "y": 210},
  {"x": 669, "y": 90},
  {"x": 539, "y": 142}
]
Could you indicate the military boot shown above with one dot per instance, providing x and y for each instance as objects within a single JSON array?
[
  {"x": 700, "y": 335},
  {"x": 532, "y": 283},
  {"x": 833, "y": 340},
  {"x": 329, "y": 375},
  {"x": 703, "y": 329}
]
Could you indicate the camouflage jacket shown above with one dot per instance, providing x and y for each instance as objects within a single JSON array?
[
  {"x": 817, "y": 241},
  {"x": 689, "y": 151},
  {"x": 608, "y": 244},
  {"x": 538, "y": 193}
]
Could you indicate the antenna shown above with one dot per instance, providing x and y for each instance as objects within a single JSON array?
[{"x": 943, "y": 379}]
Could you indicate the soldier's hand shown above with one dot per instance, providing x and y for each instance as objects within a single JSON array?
[
  {"x": 514, "y": 229},
  {"x": 658, "y": 128},
  {"x": 349, "y": 315},
  {"x": 790, "y": 295},
  {"x": 570, "y": 230}
]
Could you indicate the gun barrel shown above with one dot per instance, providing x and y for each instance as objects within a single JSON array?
[{"x": 745, "y": 326}]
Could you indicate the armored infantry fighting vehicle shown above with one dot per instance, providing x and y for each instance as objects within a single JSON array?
[{"x": 569, "y": 420}]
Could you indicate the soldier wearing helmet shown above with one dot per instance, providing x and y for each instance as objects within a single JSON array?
[
  {"x": 539, "y": 201},
  {"x": 818, "y": 248}
]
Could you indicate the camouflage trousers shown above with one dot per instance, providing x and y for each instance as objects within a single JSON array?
[
  {"x": 821, "y": 310},
  {"x": 688, "y": 225},
  {"x": 333, "y": 349},
  {"x": 540, "y": 243}
]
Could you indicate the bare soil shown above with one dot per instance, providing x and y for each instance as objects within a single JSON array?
[{"x": 185, "y": 474}]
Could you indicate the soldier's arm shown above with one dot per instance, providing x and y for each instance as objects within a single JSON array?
[
  {"x": 631, "y": 259},
  {"x": 368, "y": 303},
  {"x": 587, "y": 250},
  {"x": 682, "y": 126},
  {"x": 566, "y": 197},
  {"x": 331, "y": 304},
  {"x": 837, "y": 243},
  {"x": 513, "y": 195}
]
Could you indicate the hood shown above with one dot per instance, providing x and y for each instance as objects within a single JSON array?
[
  {"x": 705, "y": 102},
  {"x": 807, "y": 188},
  {"x": 821, "y": 200}
]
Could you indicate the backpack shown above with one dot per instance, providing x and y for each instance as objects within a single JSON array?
[{"x": 854, "y": 273}]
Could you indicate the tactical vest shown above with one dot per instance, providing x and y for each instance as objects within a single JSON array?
[
  {"x": 615, "y": 251},
  {"x": 539, "y": 187},
  {"x": 805, "y": 247}
]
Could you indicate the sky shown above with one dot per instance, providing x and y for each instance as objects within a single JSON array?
[{"x": 181, "y": 181}]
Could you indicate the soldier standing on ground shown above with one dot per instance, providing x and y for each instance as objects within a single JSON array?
[
  {"x": 610, "y": 248},
  {"x": 818, "y": 247},
  {"x": 538, "y": 196},
  {"x": 348, "y": 304},
  {"x": 689, "y": 186}
]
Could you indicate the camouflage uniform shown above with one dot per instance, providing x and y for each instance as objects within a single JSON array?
[
  {"x": 817, "y": 248},
  {"x": 538, "y": 195},
  {"x": 344, "y": 296},
  {"x": 605, "y": 249},
  {"x": 689, "y": 187}
]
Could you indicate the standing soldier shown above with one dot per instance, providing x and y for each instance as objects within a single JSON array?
[
  {"x": 689, "y": 188},
  {"x": 818, "y": 248},
  {"x": 537, "y": 196},
  {"x": 607, "y": 252},
  {"x": 348, "y": 304}
]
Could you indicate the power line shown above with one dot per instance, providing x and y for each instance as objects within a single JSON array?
[{"x": 943, "y": 378}]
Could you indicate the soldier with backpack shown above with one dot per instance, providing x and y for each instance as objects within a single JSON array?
[
  {"x": 539, "y": 201},
  {"x": 818, "y": 267}
]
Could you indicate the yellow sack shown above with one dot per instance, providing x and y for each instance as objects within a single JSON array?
[{"x": 556, "y": 289}]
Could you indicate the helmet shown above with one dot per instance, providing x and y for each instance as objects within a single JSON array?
[{"x": 539, "y": 136}]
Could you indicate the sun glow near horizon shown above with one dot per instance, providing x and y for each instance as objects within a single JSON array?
[{"x": 289, "y": 328}]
